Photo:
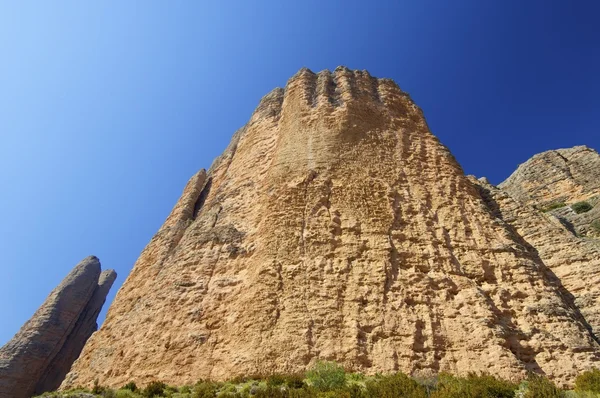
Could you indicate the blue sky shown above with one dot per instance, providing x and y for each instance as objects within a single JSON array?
[{"x": 107, "y": 108}]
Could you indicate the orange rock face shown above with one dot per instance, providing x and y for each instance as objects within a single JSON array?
[{"x": 335, "y": 226}]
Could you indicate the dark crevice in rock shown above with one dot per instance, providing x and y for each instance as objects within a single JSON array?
[{"x": 202, "y": 198}]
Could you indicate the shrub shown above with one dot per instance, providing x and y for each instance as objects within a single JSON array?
[
  {"x": 123, "y": 393},
  {"x": 131, "y": 386},
  {"x": 581, "y": 207},
  {"x": 540, "y": 387},
  {"x": 334, "y": 394},
  {"x": 596, "y": 225},
  {"x": 355, "y": 377},
  {"x": 395, "y": 385},
  {"x": 205, "y": 389},
  {"x": 295, "y": 380},
  {"x": 270, "y": 392},
  {"x": 473, "y": 386},
  {"x": 276, "y": 380},
  {"x": 553, "y": 206},
  {"x": 290, "y": 381},
  {"x": 326, "y": 376},
  {"x": 154, "y": 389},
  {"x": 185, "y": 389},
  {"x": 97, "y": 389},
  {"x": 588, "y": 381}
]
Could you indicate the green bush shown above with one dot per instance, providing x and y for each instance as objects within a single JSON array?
[
  {"x": 131, "y": 386},
  {"x": 271, "y": 392},
  {"x": 581, "y": 207},
  {"x": 276, "y": 380},
  {"x": 588, "y": 381},
  {"x": 205, "y": 389},
  {"x": 97, "y": 388},
  {"x": 123, "y": 393},
  {"x": 553, "y": 206},
  {"x": 541, "y": 387},
  {"x": 473, "y": 386},
  {"x": 295, "y": 380},
  {"x": 290, "y": 381},
  {"x": 154, "y": 389},
  {"x": 326, "y": 376},
  {"x": 334, "y": 394},
  {"x": 395, "y": 385}
]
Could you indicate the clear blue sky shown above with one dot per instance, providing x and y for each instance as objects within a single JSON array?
[{"x": 107, "y": 108}]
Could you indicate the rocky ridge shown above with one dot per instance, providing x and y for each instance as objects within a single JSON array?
[
  {"x": 555, "y": 180},
  {"x": 39, "y": 356},
  {"x": 336, "y": 226}
]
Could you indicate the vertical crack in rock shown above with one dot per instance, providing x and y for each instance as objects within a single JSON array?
[{"x": 202, "y": 198}]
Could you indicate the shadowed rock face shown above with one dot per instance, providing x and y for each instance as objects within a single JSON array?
[
  {"x": 38, "y": 357},
  {"x": 573, "y": 260},
  {"x": 335, "y": 226},
  {"x": 566, "y": 242}
]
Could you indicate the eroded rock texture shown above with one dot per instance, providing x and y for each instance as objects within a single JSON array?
[
  {"x": 39, "y": 356},
  {"x": 574, "y": 260},
  {"x": 335, "y": 226},
  {"x": 565, "y": 176}
]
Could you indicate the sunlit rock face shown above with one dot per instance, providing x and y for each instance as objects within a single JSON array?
[
  {"x": 563, "y": 177},
  {"x": 335, "y": 226}
]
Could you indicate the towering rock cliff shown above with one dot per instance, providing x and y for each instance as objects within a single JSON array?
[
  {"x": 336, "y": 226},
  {"x": 39, "y": 356}
]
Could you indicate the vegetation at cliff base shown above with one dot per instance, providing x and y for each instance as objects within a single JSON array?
[
  {"x": 588, "y": 381},
  {"x": 330, "y": 380}
]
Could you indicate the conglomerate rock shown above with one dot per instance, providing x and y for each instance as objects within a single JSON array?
[
  {"x": 335, "y": 226},
  {"x": 562, "y": 176},
  {"x": 575, "y": 261},
  {"x": 38, "y": 357},
  {"x": 85, "y": 326}
]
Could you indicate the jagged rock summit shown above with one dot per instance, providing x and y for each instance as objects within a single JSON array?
[
  {"x": 39, "y": 356},
  {"x": 335, "y": 226}
]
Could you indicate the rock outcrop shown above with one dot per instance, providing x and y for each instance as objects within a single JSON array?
[
  {"x": 39, "y": 356},
  {"x": 336, "y": 226},
  {"x": 553, "y": 181},
  {"x": 573, "y": 261}
]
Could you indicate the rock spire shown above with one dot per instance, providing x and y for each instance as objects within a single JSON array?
[{"x": 39, "y": 356}]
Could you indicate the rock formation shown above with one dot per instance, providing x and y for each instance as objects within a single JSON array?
[
  {"x": 575, "y": 261},
  {"x": 537, "y": 202},
  {"x": 561, "y": 177},
  {"x": 336, "y": 226},
  {"x": 39, "y": 356}
]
